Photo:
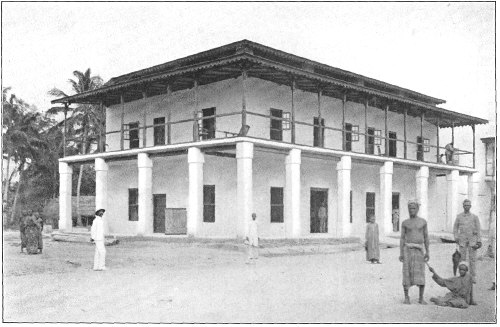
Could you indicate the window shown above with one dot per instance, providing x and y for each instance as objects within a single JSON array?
[
  {"x": 348, "y": 137},
  {"x": 159, "y": 131},
  {"x": 370, "y": 205},
  {"x": 276, "y": 204},
  {"x": 208, "y": 203},
  {"x": 286, "y": 122},
  {"x": 420, "y": 149},
  {"x": 378, "y": 136},
  {"x": 319, "y": 132},
  {"x": 490, "y": 156},
  {"x": 133, "y": 135},
  {"x": 206, "y": 126},
  {"x": 133, "y": 204},
  {"x": 276, "y": 125},
  {"x": 393, "y": 144},
  {"x": 427, "y": 148},
  {"x": 370, "y": 145}
]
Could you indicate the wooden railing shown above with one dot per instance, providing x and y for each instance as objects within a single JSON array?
[{"x": 199, "y": 135}]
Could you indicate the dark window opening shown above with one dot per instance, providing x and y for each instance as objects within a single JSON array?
[
  {"x": 277, "y": 205},
  {"x": 207, "y": 131},
  {"x": 208, "y": 203},
  {"x": 348, "y": 137},
  {"x": 420, "y": 149},
  {"x": 392, "y": 144},
  {"x": 133, "y": 135},
  {"x": 370, "y": 146},
  {"x": 159, "y": 131},
  {"x": 319, "y": 132},
  {"x": 370, "y": 205},
  {"x": 133, "y": 204},
  {"x": 276, "y": 125}
]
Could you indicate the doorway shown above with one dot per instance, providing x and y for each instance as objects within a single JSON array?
[
  {"x": 208, "y": 124},
  {"x": 319, "y": 210},
  {"x": 395, "y": 212},
  {"x": 159, "y": 205}
]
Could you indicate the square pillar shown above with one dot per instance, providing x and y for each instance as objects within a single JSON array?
[
  {"x": 195, "y": 202},
  {"x": 473, "y": 190},
  {"x": 385, "y": 218},
  {"x": 145, "y": 188},
  {"x": 343, "y": 228},
  {"x": 292, "y": 193},
  {"x": 101, "y": 184},
  {"x": 422, "y": 191},
  {"x": 244, "y": 158},
  {"x": 451, "y": 199},
  {"x": 65, "y": 186}
]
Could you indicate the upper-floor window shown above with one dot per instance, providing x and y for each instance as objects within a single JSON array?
[
  {"x": 276, "y": 130},
  {"x": 393, "y": 147},
  {"x": 133, "y": 135},
  {"x": 490, "y": 157},
  {"x": 374, "y": 139},
  {"x": 351, "y": 134},
  {"x": 319, "y": 132},
  {"x": 206, "y": 125},
  {"x": 159, "y": 131},
  {"x": 422, "y": 146}
]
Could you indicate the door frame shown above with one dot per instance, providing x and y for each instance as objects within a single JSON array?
[{"x": 325, "y": 191}]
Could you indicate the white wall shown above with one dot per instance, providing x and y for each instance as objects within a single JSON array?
[{"x": 262, "y": 95}]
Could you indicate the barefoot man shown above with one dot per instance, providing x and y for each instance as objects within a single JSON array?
[{"x": 414, "y": 240}]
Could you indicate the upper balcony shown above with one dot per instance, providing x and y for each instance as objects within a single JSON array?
[{"x": 389, "y": 121}]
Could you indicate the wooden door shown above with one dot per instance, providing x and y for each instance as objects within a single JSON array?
[{"x": 159, "y": 205}]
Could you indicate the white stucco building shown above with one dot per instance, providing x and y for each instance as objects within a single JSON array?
[{"x": 194, "y": 146}]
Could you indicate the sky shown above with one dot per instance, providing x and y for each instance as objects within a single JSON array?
[{"x": 445, "y": 50}]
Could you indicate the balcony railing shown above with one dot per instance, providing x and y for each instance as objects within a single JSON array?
[{"x": 327, "y": 137}]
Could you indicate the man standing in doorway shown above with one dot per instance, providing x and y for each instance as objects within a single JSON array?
[
  {"x": 414, "y": 240},
  {"x": 97, "y": 235},
  {"x": 322, "y": 217},
  {"x": 467, "y": 233}
]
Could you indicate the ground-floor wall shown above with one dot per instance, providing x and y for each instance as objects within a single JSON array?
[{"x": 170, "y": 177}]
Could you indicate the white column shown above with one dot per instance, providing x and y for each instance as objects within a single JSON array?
[
  {"x": 422, "y": 180},
  {"x": 451, "y": 199},
  {"x": 292, "y": 193},
  {"x": 101, "y": 184},
  {"x": 344, "y": 194},
  {"x": 145, "y": 188},
  {"x": 195, "y": 202},
  {"x": 386, "y": 197},
  {"x": 65, "y": 179},
  {"x": 473, "y": 191},
  {"x": 244, "y": 158}
]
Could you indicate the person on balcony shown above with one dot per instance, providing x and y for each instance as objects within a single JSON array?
[{"x": 450, "y": 151}]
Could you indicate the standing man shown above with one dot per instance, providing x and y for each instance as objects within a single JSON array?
[
  {"x": 322, "y": 217},
  {"x": 467, "y": 233},
  {"x": 253, "y": 240},
  {"x": 97, "y": 235},
  {"x": 414, "y": 240}
]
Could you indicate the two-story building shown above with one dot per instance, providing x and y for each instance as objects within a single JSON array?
[{"x": 195, "y": 145}]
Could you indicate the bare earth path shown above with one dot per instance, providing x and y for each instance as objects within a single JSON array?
[{"x": 173, "y": 282}]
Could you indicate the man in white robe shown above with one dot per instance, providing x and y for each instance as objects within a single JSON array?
[
  {"x": 97, "y": 235},
  {"x": 252, "y": 240}
]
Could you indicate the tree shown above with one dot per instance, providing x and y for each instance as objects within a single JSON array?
[
  {"x": 21, "y": 139},
  {"x": 85, "y": 120}
]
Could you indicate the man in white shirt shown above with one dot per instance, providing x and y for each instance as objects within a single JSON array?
[{"x": 97, "y": 235}]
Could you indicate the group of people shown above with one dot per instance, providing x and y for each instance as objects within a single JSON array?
[
  {"x": 414, "y": 255},
  {"x": 31, "y": 227}
]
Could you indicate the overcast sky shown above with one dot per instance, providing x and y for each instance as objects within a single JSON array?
[{"x": 445, "y": 50}]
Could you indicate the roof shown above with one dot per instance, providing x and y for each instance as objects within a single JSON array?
[{"x": 271, "y": 64}]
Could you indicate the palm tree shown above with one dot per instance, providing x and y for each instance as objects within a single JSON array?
[{"x": 85, "y": 120}]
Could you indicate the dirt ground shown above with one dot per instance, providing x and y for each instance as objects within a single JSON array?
[{"x": 151, "y": 281}]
